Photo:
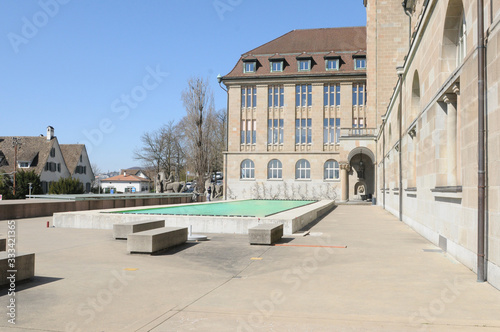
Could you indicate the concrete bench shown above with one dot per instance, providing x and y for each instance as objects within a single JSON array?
[
  {"x": 121, "y": 231},
  {"x": 265, "y": 233},
  {"x": 156, "y": 239},
  {"x": 24, "y": 266},
  {"x": 3, "y": 244}
]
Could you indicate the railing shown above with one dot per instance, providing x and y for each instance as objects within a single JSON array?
[{"x": 358, "y": 132}]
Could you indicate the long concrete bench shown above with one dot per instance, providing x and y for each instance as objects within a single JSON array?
[
  {"x": 121, "y": 231},
  {"x": 24, "y": 267},
  {"x": 3, "y": 244},
  {"x": 265, "y": 233},
  {"x": 156, "y": 239}
]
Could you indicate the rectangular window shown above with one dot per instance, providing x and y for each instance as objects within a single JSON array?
[
  {"x": 276, "y": 96},
  {"x": 248, "y": 97},
  {"x": 248, "y": 131},
  {"x": 360, "y": 63},
  {"x": 303, "y": 131},
  {"x": 304, "y": 65},
  {"x": 331, "y": 130},
  {"x": 249, "y": 67},
  {"x": 303, "y": 95},
  {"x": 358, "y": 95},
  {"x": 332, "y": 64},
  {"x": 331, "y": 95},
  {"x": 275, "y": 131},
  {"x": 276, "y": 66}
]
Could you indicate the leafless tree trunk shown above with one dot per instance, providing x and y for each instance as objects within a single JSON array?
[{"x": 198, "y": 127}]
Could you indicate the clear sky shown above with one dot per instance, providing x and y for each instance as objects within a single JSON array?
[{"x": 103, "y": 72}]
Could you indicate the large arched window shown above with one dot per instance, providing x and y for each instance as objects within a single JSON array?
[
  {"x": 454, "y": 37},
  {"x": 247, "y": 169},
  {"x": 274, "y": 169},
  {"x": 302, "y": 169},
  {"x": 332, "y": 170}
]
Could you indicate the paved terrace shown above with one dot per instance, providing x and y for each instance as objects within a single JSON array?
[{"x": 387, "y": 279}]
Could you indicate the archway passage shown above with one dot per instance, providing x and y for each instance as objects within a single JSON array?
[{"x": 361, "y": 160}]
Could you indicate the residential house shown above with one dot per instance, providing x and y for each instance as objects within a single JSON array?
[
  {"x": 45, "y": 156},
  {"x": 127, "y": 183}
]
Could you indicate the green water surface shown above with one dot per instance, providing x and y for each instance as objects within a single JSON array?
[{"x": 246, "y": 208}]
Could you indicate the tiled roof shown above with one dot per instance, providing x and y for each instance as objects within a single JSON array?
[
  {"x": 125, "y": 178},
  {"x": 71, "y": 154},
  {"x": 135, "y": 171},
  {"x": 312, "y": 43},
  {"x": 34, "y": 149}
]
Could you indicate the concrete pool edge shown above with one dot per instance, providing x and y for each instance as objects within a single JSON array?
[{"x": 292, "y": 220}]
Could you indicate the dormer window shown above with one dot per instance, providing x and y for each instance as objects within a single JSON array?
[
  {"x": 23, "y": 164},
  {"x": 304, "y": 65},
  {"x": 332, "y": 64},
  {"x": 249, "y": 66},
  {"x": 276, "y": 66},
  {"x": 360, "y": 63}
]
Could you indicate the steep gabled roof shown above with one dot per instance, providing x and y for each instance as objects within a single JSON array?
[
  {"x": 71, "y": 154},
  {"x": 33, "y": 149}
]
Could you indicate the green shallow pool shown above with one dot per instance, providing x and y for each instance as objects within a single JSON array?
[{"x": 246, "y": 208}]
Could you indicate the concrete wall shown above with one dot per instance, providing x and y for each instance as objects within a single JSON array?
[
  {"x": 33, "y": 209},
  {"x": 292, "y": 220}
]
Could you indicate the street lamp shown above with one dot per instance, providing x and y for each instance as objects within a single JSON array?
[
  {"x": 30, "y": 189},
  {"x": 219, "y": 80}
]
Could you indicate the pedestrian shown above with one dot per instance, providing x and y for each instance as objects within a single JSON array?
[{"x": 209, "y": 193}]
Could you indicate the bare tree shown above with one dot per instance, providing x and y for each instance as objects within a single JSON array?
[
  {"x": 161, "y": 149},
  {"x": 218, "y": 139},
  {"x": 198, "y": 126},
  {"x": 96, "y": 170}
]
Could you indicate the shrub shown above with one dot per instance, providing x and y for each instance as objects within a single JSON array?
[{"x": 66, "y": 186}]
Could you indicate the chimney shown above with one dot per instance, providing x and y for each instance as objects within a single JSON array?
[
  {"x": 50, "y": 133},
  {"x": 124, "y": 173}
]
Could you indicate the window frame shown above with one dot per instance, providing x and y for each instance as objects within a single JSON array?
[
  {"x": 252, "y": 63},
  {"x": 304, "y": 61},
  {"x": 274, "y": 170},
  {"x": 303, "y": 170},
  {"x": 276, "y": 62},
  {"x": 334, "y": 170},
  {"x": 247, "y": 167},
  {"x": 337, "y": 64},
  {"x": 303, "y": 95},
  {"x": 361, "y": 58}
]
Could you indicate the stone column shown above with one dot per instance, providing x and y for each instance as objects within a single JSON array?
[
  {"x": 344, "y": 181},
  {"x": 451, "y": 137}
]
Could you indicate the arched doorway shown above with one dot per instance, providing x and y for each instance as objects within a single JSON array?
[{"x": 362, "y": 176}]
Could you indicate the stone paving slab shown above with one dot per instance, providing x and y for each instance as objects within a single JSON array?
[{"x": 388, "y": 278}]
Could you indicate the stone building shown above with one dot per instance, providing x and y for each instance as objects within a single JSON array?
[
  {"x": 298, "y": 125},
  {"x": 428, "y": 142}
]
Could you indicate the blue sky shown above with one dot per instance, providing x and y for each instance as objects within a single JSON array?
[{"x": 75, "y": 64}]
